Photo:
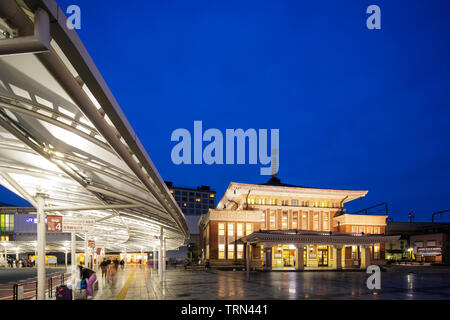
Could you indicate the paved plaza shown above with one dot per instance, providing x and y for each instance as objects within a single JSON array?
[{"x": 142, "y": 283}]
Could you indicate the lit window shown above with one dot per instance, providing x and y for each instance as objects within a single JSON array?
[
  {"x": 211, "y": 195},
  {"x": 316, "y": 221},
  {"x": 248, "y": 229},
  {"x": 184, "y": 204},
  {"x": 240, "y": 251},
  {"x": 221, "y": 241},
  {"x": 239, "y": 229},
  {"x": 197, "y": 199},
  {"x": 326, "y": 225},
  {"x": 354, "y": 252},
  {"x": 284, "y": 220},
  {"x": 230, "y": 229},
  {"x": 376, "y": 252},
  {"x": 221, "y": 251},
  {"x": 272, "y": 220},
  {"x": 221, "y": 229},
  {"x": 305, "y": 221},
  {"x": 231, "y": 251}
]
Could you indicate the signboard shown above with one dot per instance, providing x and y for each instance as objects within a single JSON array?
[
  {"x": 428, "y": 249},
  {"x": 71, "y": 224},
  {"x": 68, "y": 224},
  {"x": 52, "y": 260},
  {"x": 91, "y": 244},
  {"x": 54, "y": 223}
]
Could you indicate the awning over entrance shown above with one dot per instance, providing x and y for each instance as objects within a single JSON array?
[
  {"x": 315, "y": 237},
  {"x": 63, "y": 135}
]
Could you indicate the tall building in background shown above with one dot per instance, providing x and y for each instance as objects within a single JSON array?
[{"x": 193, "y": 203}]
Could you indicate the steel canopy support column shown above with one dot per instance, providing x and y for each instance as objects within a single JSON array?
[
  {"x": 73, "y": 253},
  {"x": 164, "y": 260},
  {"x": 154, "y": 258},
  {"x": 41, "y": 235},
  {"x": 159, "y": 261},
  {"x": 160, "y": 255},
  {"x": 86, "y": 250},
  {"x": 65, "y": 258}
]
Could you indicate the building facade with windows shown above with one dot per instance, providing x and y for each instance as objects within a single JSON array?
[
  {"x": 193, "y": 203},
  {"x": 282, "y": 226},
  {"x": 6, "y": 227},
  {"x": 423, "y": 242}
]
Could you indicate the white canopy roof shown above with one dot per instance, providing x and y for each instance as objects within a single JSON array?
[{"x": 62, "y": 133}]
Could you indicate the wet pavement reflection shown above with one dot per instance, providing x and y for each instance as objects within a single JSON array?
[{"x": 209, "y": 285}]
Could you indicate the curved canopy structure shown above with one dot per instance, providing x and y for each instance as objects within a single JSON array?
[{"x": 63, "y": 134}]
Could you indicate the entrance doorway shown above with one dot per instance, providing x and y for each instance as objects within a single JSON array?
[
  {"x": 284, "y": 257},
  {"x": 322, "y": 253}
]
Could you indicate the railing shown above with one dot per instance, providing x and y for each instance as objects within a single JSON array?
[{"x": 27, "y": 289}]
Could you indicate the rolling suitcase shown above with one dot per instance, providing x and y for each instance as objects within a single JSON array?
[{"x": 63, "y": 292}]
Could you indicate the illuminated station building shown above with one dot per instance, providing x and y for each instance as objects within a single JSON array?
[{"x": 282, "y": 226}]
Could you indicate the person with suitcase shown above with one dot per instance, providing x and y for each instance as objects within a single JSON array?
[{"x": 90, "y": 277}]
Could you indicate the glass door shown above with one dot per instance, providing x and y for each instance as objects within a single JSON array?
[{"x": 322, "y": 252}]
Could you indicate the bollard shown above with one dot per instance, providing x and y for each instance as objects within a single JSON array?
[
  {"x": 15, "y": 291},
  {"x": 50, "y": 287}
]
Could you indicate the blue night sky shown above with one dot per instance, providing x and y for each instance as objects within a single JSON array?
[{"x": 356, "y": 109}]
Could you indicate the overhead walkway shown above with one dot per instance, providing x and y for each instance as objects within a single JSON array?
[{"x": 66, "y": 146}]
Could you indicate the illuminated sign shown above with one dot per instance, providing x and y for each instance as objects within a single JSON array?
[
  {"x": 54, "y": 223},
  {"x": 428, "y": 249},
  {"x": 31, "y": 220}
]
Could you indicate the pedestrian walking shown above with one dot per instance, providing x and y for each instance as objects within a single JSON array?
[
  {"x": 112, "y": 274},
  {"x": 104, "y": 267}
]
